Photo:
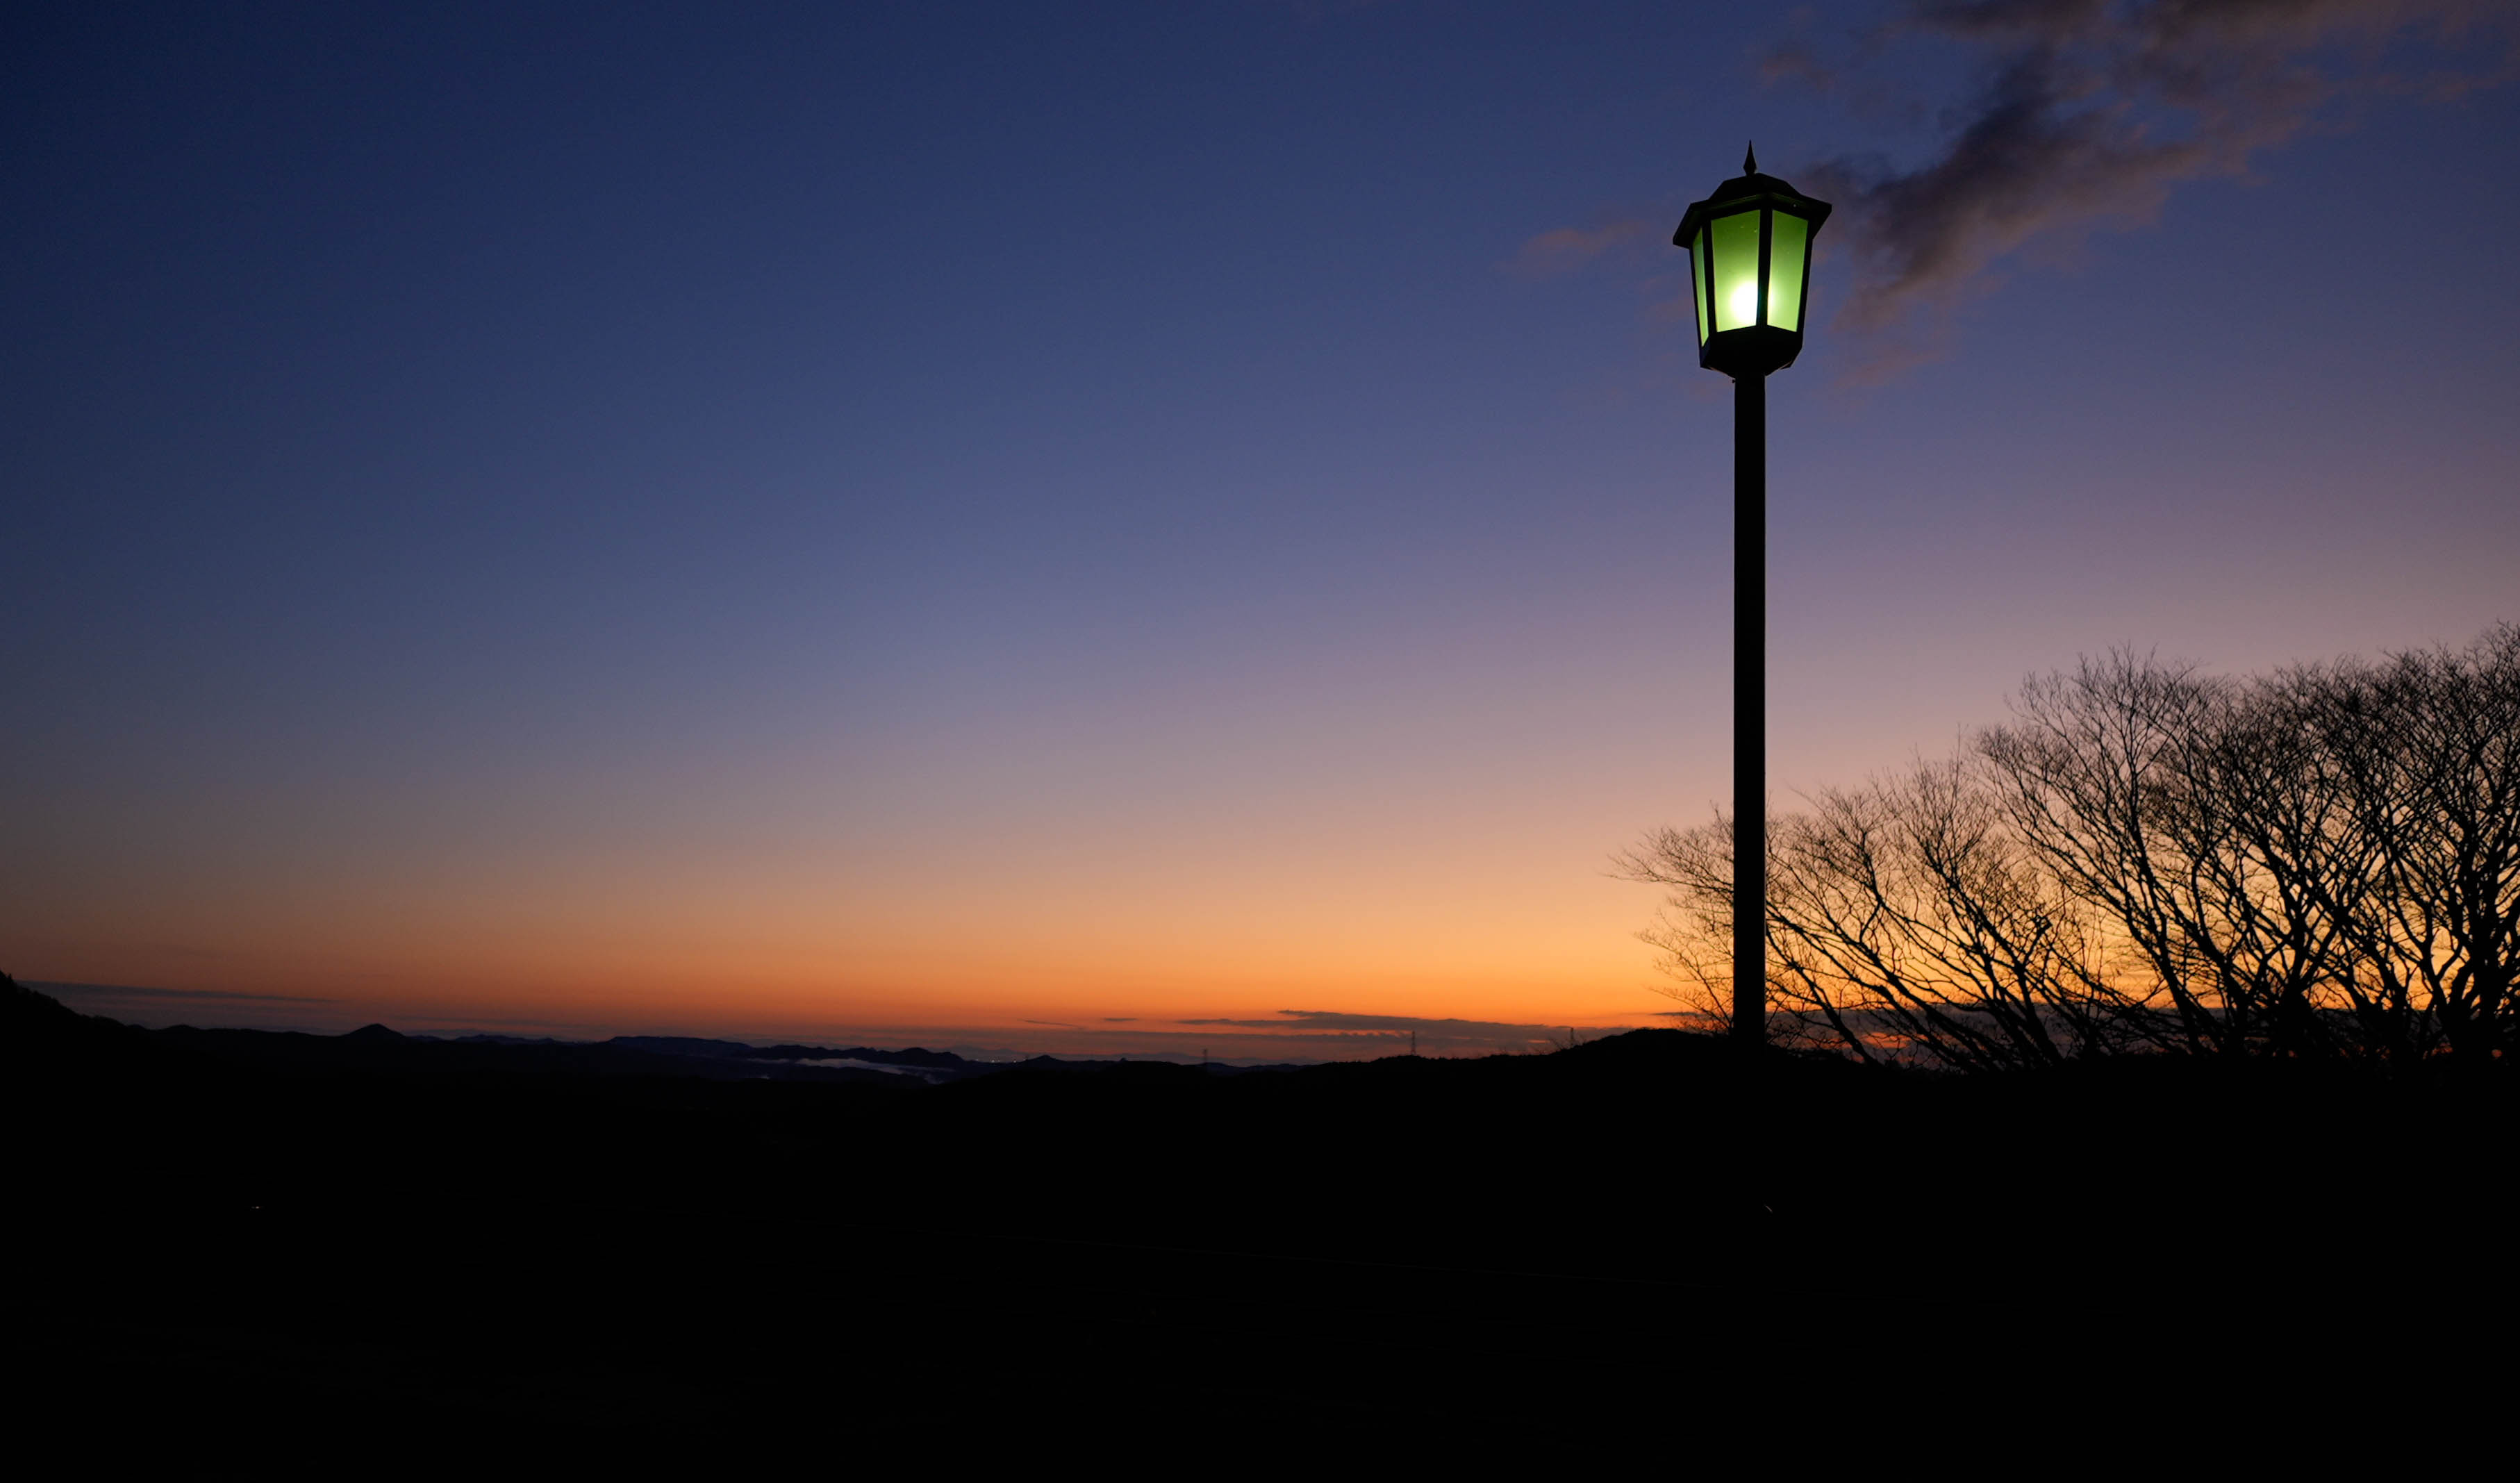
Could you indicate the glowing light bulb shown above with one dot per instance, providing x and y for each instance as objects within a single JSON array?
[{"x": 1745, "y": 302}]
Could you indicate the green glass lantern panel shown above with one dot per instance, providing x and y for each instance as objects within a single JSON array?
[
  {"x": 1788, "y": 244},
  {"x": 1736, "y": 240},
  {"x": 1697, "y": 276}
]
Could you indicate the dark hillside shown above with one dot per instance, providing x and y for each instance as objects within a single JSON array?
[{"x": 500, "y": 1232}]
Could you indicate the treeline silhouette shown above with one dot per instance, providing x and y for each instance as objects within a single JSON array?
[{"x": 2322, "y": 863}]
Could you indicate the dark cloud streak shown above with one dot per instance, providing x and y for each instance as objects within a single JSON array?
[
  {"x": 193, "y": 996},
  {"x": 1333, "y": 1026},
  {"x": 2091, "y": 112},
  {"x": 1334, "y": 1019}
]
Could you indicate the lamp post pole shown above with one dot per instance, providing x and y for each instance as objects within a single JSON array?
[
  {"x": 1749, "y": 246},
  {"x": 1750, "y": 707}
]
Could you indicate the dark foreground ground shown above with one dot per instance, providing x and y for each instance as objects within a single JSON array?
[{"x": 233, "y": 1237}]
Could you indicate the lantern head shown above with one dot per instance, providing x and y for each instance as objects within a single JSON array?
[{"x": 1750, "y": 257}]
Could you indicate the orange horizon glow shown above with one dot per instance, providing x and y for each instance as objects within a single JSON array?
[
  {"x": 755, "y": 956},
  {"x": 866, "y": 1003}
]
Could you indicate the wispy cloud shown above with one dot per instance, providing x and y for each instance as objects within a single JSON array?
[
  {"x": 157, "y": 1008},
  {"x": 1290, "y": 1035},
  {"x": 1431, "y": 1036},
  {"x": 1566, "y": 249},
  {"x": 190, "y": 996},
  {"x": 2088, "y": 112}
]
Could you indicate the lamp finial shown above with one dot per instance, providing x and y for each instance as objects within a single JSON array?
[{"x": 1750, "y": 158}]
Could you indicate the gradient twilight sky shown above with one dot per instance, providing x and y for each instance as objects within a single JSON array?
[{"x": 954, "y": 521}]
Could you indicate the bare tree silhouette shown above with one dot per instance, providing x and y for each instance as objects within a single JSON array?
[{"x": 2323, "y": 862}]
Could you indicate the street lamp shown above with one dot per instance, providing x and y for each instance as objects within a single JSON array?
[{"x": 1749, "y": 262}]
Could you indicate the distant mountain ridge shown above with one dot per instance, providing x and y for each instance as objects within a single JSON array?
[
  {"x": 33, "y": 1017},
  {"x": 918, "y": 1062}
]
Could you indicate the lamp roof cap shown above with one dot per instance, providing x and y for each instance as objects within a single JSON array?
[{"x": 1750, "y": 187}]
